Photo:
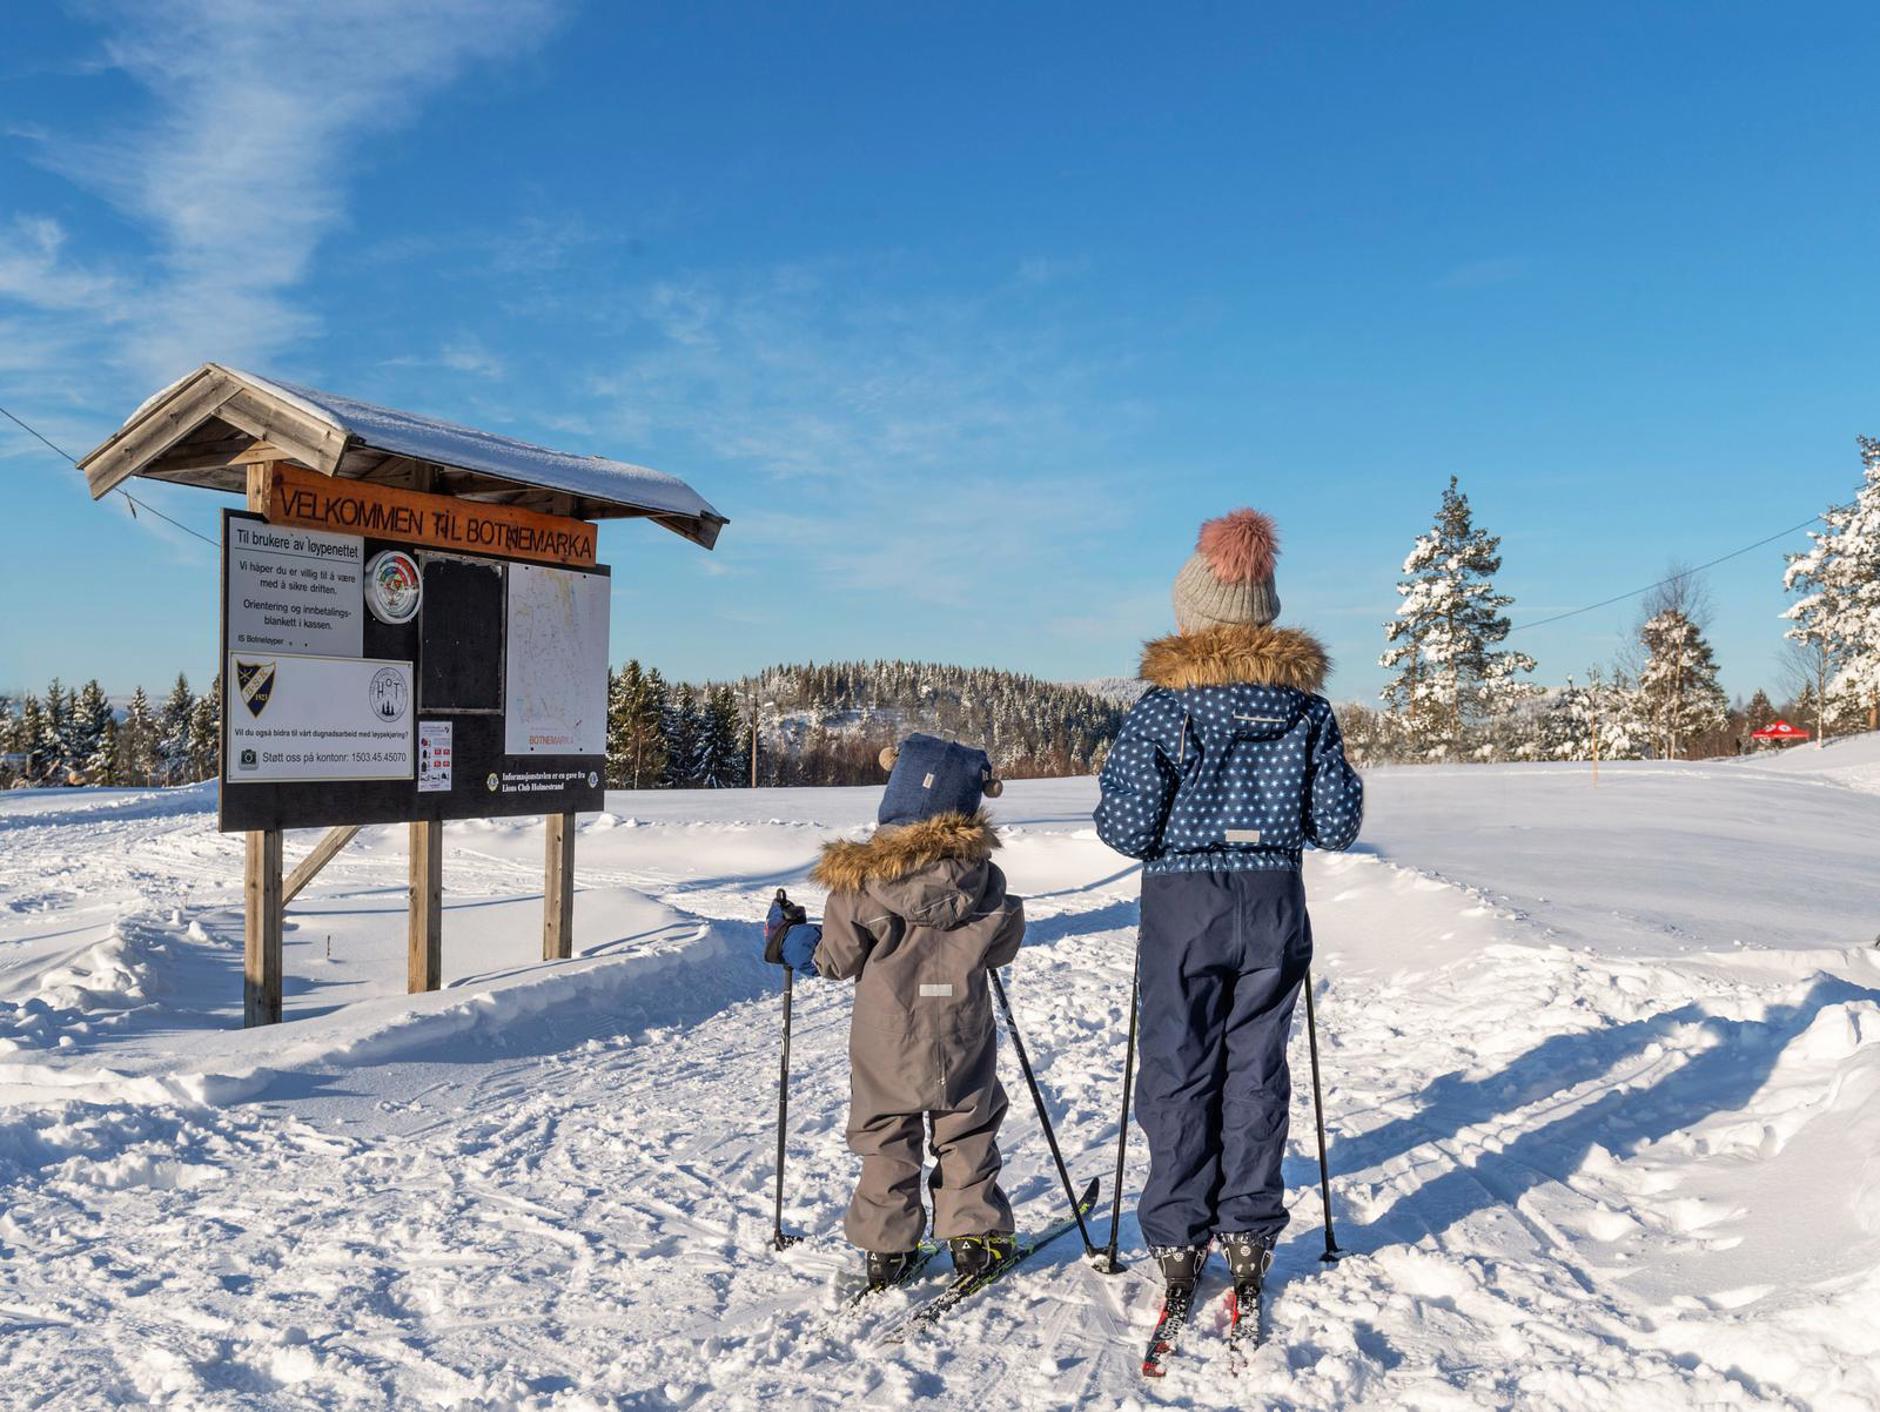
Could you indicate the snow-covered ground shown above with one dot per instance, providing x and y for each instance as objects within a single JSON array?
[{"x": 1603, "y": 1072}]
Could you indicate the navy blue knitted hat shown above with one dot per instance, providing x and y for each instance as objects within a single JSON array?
[{"x": 929, "y": 776}]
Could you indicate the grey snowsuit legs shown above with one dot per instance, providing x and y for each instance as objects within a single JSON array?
[{"x": 886, "y": 1212}]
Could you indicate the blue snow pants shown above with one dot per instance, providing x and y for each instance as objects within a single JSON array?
[{"x": 1223, "y": 954}]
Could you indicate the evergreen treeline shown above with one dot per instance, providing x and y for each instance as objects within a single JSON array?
[
  {"x": 825, "y": 724},
  {"x": 820, "y": 725},
  {"x": 73, "y": 736}
]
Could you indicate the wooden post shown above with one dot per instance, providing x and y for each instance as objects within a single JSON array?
[
  {"x": 424, "y": 937},
  {"x": 261, "y": 882},
  {"x": 261, "y": 930},
  {"x": 558, "y": 890}
]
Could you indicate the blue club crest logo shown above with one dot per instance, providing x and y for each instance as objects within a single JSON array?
[{"x": 255, "y": 682}]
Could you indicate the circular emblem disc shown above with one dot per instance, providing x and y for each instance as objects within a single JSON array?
[{"x": 394, "y": 587}]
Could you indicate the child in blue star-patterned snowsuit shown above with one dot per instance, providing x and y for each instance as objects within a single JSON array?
[{"x": 1224, "y": 771}]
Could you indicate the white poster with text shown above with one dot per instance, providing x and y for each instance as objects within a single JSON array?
[
  {"x": 293, "y": 591},
  {"x": 317, "y": 718}
]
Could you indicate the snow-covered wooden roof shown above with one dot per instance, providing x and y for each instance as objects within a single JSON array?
[{"x": 205, "y": 428}]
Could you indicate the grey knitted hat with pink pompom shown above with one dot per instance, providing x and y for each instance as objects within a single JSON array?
[{"x": 1229, "y": 578}]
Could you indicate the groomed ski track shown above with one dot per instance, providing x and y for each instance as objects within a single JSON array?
[{"x": 1566, "y": 1159}]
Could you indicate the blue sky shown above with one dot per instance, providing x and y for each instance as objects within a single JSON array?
[{"x": 966, "y": 315}]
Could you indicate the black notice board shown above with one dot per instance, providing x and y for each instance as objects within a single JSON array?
[
  {"x": 460, "y": 660},
  {"x": 456, "y": 650}
]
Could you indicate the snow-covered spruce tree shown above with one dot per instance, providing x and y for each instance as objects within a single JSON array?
[
  {"x": 636, "y": 712},
  {"x": 1678, "y": 683},
  {"x": 1451, "y": 677},
  {"x": 684, "y": 729},
  {"x": 620, "y": 693},
  {"x": 94, "y": 735},
  {"x": 173, "y": 732},
  {"x": 721, "y": 762},
  {"x": 53, "y": 745},
  {"x": 26, "y": 740},
  {"x": 1760, "y": 711},
  {"x": 1839, "y": 580},
  {"x": 136, "y": 741},
  {"x": 205, "y": 734},
  {"x": 9, "y": 741}
]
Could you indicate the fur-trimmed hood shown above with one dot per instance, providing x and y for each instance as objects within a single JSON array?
[
  {"x": 895, "y": 851},
  {"x": 1234, "y": 654}
]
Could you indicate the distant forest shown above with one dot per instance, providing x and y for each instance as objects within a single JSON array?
[
  {"x": 826, "y": 724},
  {"x": 815, "y": 725}
]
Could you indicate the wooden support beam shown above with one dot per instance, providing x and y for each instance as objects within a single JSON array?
[
  {"x": 259, "y": 453},
  {"x": 261, "y": 930},
  {"x": 323, "y": 852},
  {"x": 158, "y": 429},
  {"x": 310, "y": 441},
  {"x": 424, "y": 937},
  {"x": 260, "y": 486},
  {"x": 558, "y": 890}
]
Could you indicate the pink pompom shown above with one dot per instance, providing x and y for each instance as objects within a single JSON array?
[{"x": 1240, "y": 547}]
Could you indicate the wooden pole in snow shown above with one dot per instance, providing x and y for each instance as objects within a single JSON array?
[
  {"x": 424, "y": 933},
  {"x": 558, "y": 890}
]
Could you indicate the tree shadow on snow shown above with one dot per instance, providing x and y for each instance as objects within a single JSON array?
[{"x": 1719, "y": 1079}]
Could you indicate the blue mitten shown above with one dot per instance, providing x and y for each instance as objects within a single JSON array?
[
  {"x": 790, "y": 938},
  {"x": 799, "y": 948}
]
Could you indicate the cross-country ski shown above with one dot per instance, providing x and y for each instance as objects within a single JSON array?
[{"x": 966, "y": 1285}]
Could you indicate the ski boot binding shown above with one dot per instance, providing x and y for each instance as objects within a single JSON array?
[
  {"x": 975, "y": 1256},
  {"x": 885, "y": 1271},
  {"x": 1181, "y": 1273}
]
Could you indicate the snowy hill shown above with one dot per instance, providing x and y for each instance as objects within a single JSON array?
[
  {"x": 825, "y": 724},
  {"x": 1603, "y": 1070}
]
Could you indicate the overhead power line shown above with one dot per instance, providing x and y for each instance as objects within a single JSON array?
[
  {"x": 1672, "y": 578},
  {"x": 135, "y": 503}
]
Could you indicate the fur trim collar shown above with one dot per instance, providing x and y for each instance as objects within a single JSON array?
[
  {"x": 1236, "y": 653},
  {"x": 894, "y": 851}
]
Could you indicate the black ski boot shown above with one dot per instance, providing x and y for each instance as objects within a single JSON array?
[
  {"x": 974, "y": 1256},
  {"x": 1181, "y": 1272},
  {"x": 1249, "y": 1257},
  {"x": 887, "y": 1271}
]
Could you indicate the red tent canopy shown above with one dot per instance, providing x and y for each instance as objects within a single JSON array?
[{"x": 1779, "y": 731}]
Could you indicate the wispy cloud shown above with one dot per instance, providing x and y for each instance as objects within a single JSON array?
[
  {"x": 459, "y": 355},
  {"x": 240, "y": 167},
  {"x": 826, "y": 373},
  {"x": 933, "y": 441}
]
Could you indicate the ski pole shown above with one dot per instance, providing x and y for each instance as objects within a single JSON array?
[
  {"x": 1332, "y": 1252},
  {"x": 779, "y": 1238},
  {"x": 1024, "y": 1062},
  {"x": 1111, "y": 1265}
]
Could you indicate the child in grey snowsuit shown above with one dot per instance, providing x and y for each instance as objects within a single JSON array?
[
  {"x": 1223, "y": 772},
  {"x": 916, "y": 916}
]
